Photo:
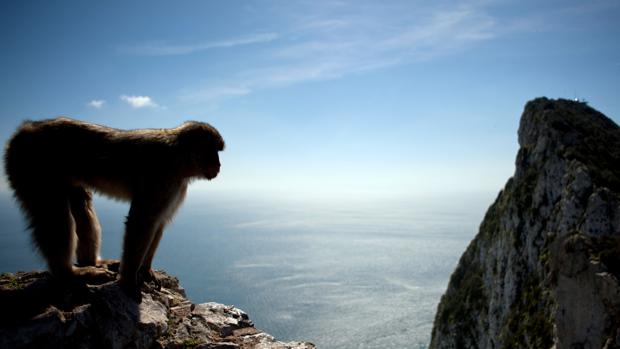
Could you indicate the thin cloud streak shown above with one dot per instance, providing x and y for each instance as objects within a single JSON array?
[
  {"x": 330, "y": 48},
  {"x": 164, "y": 49},
  {"x": 213, "y": 94}
]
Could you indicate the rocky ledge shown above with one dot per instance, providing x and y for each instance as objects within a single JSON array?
[{"x": 36, "y": 313}]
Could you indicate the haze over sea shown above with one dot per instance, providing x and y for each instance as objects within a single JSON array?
[{"x": 344, "y": 274}]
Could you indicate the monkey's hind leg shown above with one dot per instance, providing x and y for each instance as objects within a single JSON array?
[
  {"x": 52, "y": 230},
  {"x": 87, "y": 226},
  {"x": 88, "y": 231}
]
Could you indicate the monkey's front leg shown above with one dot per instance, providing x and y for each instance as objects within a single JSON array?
[
  {"x": 140, "y": 230},
  {"x": 146, "y": 273}
]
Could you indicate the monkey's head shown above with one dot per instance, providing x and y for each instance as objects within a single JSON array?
[{"x": 199, "y": 144}]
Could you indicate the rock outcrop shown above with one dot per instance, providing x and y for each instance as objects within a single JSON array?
[
  {"x": 35, "y": 313},
  {"x": 543, "y": 270}
]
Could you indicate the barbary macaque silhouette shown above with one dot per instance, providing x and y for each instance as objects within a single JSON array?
[{"x": 54, "y": 165}]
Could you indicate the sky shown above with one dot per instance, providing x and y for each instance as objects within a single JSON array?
[{"x": 316, "y": 99}]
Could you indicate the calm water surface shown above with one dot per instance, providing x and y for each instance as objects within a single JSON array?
[{"x": 343, "y": 275}]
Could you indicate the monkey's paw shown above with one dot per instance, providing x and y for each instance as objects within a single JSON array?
[
  {"x": 147, "y": 275},
  {"x": 93, "y": 275},
  {"x": 110, "y": 264}
]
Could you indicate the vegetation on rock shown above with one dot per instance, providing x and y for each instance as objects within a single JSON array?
[{"x": 543, "y": 269}]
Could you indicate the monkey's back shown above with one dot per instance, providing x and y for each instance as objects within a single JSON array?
[{"x": 63, "y": 150}]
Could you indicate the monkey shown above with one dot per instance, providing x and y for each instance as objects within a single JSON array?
[{"x": 53, "y": 167}]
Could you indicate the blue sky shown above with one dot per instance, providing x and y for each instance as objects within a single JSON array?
[{"x": 316, "y": 98}]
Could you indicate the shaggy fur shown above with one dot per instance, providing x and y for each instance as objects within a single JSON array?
[{"x": 52, "y": 166}]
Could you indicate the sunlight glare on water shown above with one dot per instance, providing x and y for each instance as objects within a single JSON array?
[{"x": 361, "y": 275}]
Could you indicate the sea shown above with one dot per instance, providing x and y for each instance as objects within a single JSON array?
[{"x": 340, "y": 273}]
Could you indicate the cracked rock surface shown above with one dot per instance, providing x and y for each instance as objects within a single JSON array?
[
  {"x": 36, "y": 313},
  {"x": 543, "y": 270}
]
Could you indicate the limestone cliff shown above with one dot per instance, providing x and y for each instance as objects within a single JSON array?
[
  {"x": 543, "y": 269},
  {"x": 35, "y": 313}
]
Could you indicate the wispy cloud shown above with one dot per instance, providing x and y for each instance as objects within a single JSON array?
[
  {"x": 139, "y": 101},
  {"x": 325, "y": 44},
  {"x": 216, "y": 93},
  {"x": 166, "y": 49},
  {"x": 96, "y": 103},
  {"x": 452, "y": 29}
]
